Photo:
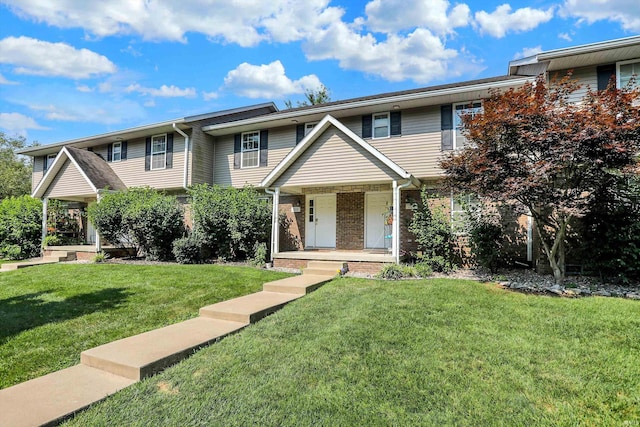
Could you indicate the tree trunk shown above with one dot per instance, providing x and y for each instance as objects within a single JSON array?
[{"x": 555, "y": 253}]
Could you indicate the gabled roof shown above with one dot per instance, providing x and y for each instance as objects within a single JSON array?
[
  {"x": 92, "y": 167},
  {"x": 312, "y": 136}
]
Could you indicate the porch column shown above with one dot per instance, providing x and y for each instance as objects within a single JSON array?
[
  {"x": 45, "y": 204},
  {"x": 98, "y": 242},
  {"x": 395, "y": 242},
  {"x": 275, "y": 224}
]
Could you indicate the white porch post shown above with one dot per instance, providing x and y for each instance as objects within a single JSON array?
[
  {"x": 394, "y": 221},
  {"x": 45, "y": 204},
  {"x": 98, "y": 242},
  {"x": 275, "y": 224}
]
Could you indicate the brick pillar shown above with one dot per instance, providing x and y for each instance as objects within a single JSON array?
[{"x": 350, "y": 221}]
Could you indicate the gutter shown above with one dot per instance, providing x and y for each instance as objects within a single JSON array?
[{"x": 185, "y": 176}]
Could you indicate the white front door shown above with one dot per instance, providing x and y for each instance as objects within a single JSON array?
[
  {"x": 377, "y": 224},
  {"x": 91, "y": 233},
  {"x": 320, "y": 227}
]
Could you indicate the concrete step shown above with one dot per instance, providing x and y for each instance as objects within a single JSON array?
[
  {"x": 326, "y": 265},
  {"x": 49, "y": 399},
  {"x": 143, "y": 355},
  {"x": 61, "y": 255},
  {"x": 320, "y": 272},
  {"x": 249, "y": 308},
  {"x": 10, "y": 266},
  {"x": 299, "y": 285}
]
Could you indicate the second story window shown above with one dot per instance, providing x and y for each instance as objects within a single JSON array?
[
  {"x": 159, "y": 151},
  {"x": 308, "y": 127},
  {"x": 48, "y": 160},
  {"x": 381, "y": 125},
  {"x": 459, "y": 110},
  {"x": 116, "y": 152},
  {"x": 628, "y": 70},
  {"x": 250, "y": 149}
]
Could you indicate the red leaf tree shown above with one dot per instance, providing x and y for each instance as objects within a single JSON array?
[{"x": 544, "y": 148}]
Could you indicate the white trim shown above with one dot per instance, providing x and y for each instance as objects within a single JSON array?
[
  {"x": 242, "y": 150},
  {"x": 54, "y": 169},
  {"x": 152, "y": 153},
  {"x": 113, "y": 151},
  {"x": 589, "y": 48},
  {"x": 426, "y": 94},
  {"x": 323, "y": 125},
  {"x": 373, "y": 125},
  {"x": 629, "y": 61}
]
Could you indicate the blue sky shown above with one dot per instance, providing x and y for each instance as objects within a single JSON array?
[{"x": 74, "y": 68}]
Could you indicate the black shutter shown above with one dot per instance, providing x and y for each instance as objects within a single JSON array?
[
  {"x": 366, "y": 126},
  {"x": 446, "y": 125},
  {"x": 395, "y": 119},
  {"x": 147, "y": 154},
  {"x": 237, "y": 150},
  {"x": 109, "y": 152},
  {"x": 605, "y": 72},
  {"x": 299, "y": 133},
  {"x": 169, "y": 163},
  {"x": 123, "y": 150},
  {"x": 264, "y": 147}
]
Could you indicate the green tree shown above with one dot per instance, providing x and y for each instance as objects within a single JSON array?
[
  {"x": 322, "y": 95},
  {"x": 15, "y": 170},
  {"x": 20, "y": 227}
]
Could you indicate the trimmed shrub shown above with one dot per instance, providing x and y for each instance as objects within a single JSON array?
[
  {"x": 187, "y": 250},
  {"x": 433, "y": 234},
  {"x": 142, "y": 218},
  {"x": 230, "y": 220},
  {"x": 20, "y": 227},
  {"x": 486, "y": 235},
  {"x": 396, "y": 272},
  {"x": 423, "y": 269},
  {"x": 259, "y": 254}
]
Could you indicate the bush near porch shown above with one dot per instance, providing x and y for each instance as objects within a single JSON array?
[{"x": 20, "y": 227}]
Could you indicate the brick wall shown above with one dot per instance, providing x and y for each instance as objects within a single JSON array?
[
  {"x": 350, "y": 221},
  {"x": 291, "y": 223},
  {"x": 354, "y": 266}
]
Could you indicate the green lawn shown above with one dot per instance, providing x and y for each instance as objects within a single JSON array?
[
  {"x": 49, "y": 314},
  {"x": 436, "y": 352}
]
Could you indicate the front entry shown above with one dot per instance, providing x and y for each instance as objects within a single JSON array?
[
  {"x": 377, "y": 220},
  {"x": 320, "y": 227}
]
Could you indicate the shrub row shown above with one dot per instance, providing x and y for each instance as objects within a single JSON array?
[{"x": 20, "y": 227}]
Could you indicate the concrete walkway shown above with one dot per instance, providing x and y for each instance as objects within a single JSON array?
[
  {"x": 55, "y": 257},
  {"x": 106, "y": 369}
]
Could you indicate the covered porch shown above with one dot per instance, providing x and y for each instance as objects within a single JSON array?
[{"x": 337, "y": 198}]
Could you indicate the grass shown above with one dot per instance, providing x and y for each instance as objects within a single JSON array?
[
  {"x": 50, "y": 313},
  {"x": 435, "y": 352}
]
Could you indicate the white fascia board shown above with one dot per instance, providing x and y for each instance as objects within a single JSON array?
[
  {"x": 589, "y": 48},
  {"x": 370, "y": 102},
  {"x": 323, "y": 125},
  {"x": 55, "y": 167}
]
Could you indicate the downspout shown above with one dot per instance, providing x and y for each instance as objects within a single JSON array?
[
  {"x": 185, "y": 175},
  {"x": 396, "y": 214},
  {"x": 274, "y": 220}
]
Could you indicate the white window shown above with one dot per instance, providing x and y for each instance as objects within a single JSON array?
[
  {"x": 626, "y": 70},
  {"x": 459, "y": 110},
  {"x": 250, "y": 149},
  {"x": 49, "y": 161},
  {"x": 158, "y": 151},
  {"x": 381, "y": 125},
  {"x": 116, "y": 152},
  {"x": 308, "y": 127},
  {"x": 460, "y": 204}
]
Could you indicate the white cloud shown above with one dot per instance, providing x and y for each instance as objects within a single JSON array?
[
  {"x": 132, "y": 51},
  {"x": 502, "y": 21},
  {"x": 565, "y": 36},
  {"x": 83, "y": 88},
  {"x": 36, "y": 57},
  {"x": 208, "y": 96},
  {"x": 164, "y": 91},
  {"x": 246, "y": 22},
  {"x": 5, "y": 81},
  {"x": 528, "y": 51},
  {"x": 18, "y": 123},
  {"x": 266, "y": 81},
  {"x": 397, "y": 15},
  {"x": 625, "y": 12},
  {"x": 419, "y": 56}
]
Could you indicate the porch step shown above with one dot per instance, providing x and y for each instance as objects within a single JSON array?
[
  {"x": 11, "y": 266},
  {"x": 49, "y": 399},
  {"x": 60, "y": 256},
  {"x": 249, "y": 308},
  {"x": 324, "y": 268},
  {"x": 299, "y": 285},
  {"x": 141, "y": 356}
]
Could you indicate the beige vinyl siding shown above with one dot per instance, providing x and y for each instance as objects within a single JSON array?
[
  {"x": 334, "y": 158},
  {"x": 201, "y": 157},
  {"x": 418, "y": 149},
  {"x": 38, "y": 172},
  {"x": 131, "y": 171},
  {"x": 586, "y": 76},
  {"x": 281, "y": 141},
  {"x": 69, "y": 182}
]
